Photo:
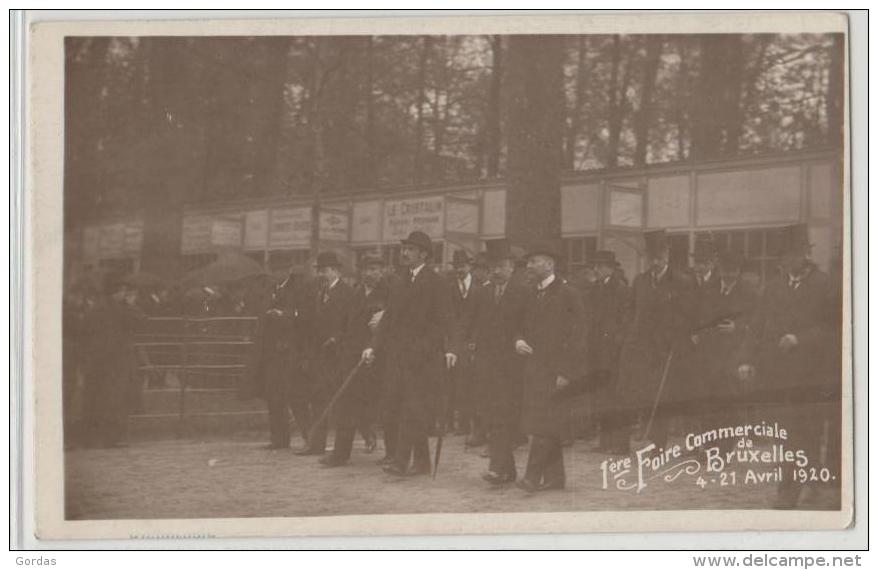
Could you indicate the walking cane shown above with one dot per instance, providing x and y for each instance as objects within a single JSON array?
[
  {"x": 443, "y": 428},
  {"x": 344, "y": 386},
  {"x": 658, "y": 395}
]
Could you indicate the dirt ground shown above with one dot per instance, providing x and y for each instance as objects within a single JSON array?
[{"x": 236, "y": 478}]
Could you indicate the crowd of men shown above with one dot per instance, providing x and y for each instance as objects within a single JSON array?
[{"x": 503, "y": 347}]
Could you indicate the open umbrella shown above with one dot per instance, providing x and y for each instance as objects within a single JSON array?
[{"x": 227, "y": 268}]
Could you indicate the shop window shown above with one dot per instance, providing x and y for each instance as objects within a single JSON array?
[
  {"x": 578, "y": 251},
  {"x": 760, "y": 247}
]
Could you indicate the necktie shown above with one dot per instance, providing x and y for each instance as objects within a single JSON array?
[
  {"x": 461, "y": 284},
  {"x": 498, "y": 293}
]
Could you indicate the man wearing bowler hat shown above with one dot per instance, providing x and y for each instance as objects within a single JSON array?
[
  {"x": 786, "y": 352},
  {"x": 353, "y": 409},
  {"x": 411, "y": 339},
  {"x": 552, "y": 343},
  {"x": 330, "y": 314},
  {"x": 606, "y": 304}
]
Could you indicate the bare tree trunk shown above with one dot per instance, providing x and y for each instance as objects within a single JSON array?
[
  {"x": 270, "y": 109},
  {"x": 618, "y": 99},
  {"x": 835, "y": 97},
  {"x": 684, "y": 95},
  {"x": 493, "y": 127},
  {"x": 575, "y": 124},
  {"x": 654, "y": 44},
  {"x": 535, "y": 119},
  {"x": 421, "y": 100},
  {"x": 734, "y": 83},
  {"x": 371, "y": 170}
]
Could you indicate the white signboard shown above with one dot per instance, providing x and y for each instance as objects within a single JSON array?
[
  {"x": 290, "y": 227},
  {"x": 256, "y": 229},
  {"x": 334, "y": 226},
  {"x": 750, "y": 196},
  {"x": 462, "y": 217},
  {"x": 133, "y": 238},
  {"x": 196, "y": 234},
  {"x": 225, "y": 233},
  {"x": 402, "y": 217},
  {"x": 626, "y": 209},
  {"x": 366, "y": 226},
  {"x": 112, "y": 241}
]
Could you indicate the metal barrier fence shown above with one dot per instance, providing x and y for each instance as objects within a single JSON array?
[{"x": 203, "y": 352}]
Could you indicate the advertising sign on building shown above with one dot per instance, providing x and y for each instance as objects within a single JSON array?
[
  {"x": 256, "y": 229},
  {"x": 462, "y": 216},
  {"x": 366, "y": 226},
  {"x": 290, "y": 227},
  {"x": 225, "y": 233},
  {"x": 334, "y": 225},
  {"x": 112, "y": 241},
  {"x": 196, "y": 234},
  {"x": 402, "y": 217},
  {"x": 133, "y": 238}
]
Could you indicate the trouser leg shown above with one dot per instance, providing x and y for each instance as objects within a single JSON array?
[
  {"x": 502, "y": 460},
  {"x": 536, "y": 459},
  {"x": 302, "y": 415},
  {"x": 404, "y": 444},
  {"x": 278, "y": 423},
  {"x": 344, "y": 441},
  {"x": 553, "y": 473}
]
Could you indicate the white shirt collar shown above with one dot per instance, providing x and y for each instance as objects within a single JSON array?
[
  {"x": 661, "y": 273},
  {"x": 546, "y": 282},
  {"x": 334, "y": 283},
  {"x": 467, "y": 281},
  {"x": 417, "y": 270}
]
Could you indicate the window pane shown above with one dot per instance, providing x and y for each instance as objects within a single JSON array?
[{"x": 737, "y": 242}]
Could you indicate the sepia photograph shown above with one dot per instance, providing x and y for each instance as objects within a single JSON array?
[{"x": 337, "y": 275}]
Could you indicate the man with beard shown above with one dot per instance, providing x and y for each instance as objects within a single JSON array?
[
  {"x": 411, "y": 338},
  {"x": 785, "y": 355},
  {"x": 330, "y": 318},
  {"x": 366, "y": 308},
  {"x": 497, "y": 368},
  {"x": 551, "y": 342}
]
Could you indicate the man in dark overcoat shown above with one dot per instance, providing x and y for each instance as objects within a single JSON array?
[
  {"x": 464, "y": 291},
  {"x": 352, "y": 411},
  {"x": 723, "y": 315},
  {"x": 552, "y": 342},
  {"x": 606, "y": 303},
  {"x": 107, "y": 331},
  {"x": 411, "y": 338},
  {"x": 497, "y": 368},
  {"x": 275, "y": 370},
  {"x": 659, "y": 323},
  {"x": 785, "y": 357},
  {"x": 331, "y": 306}
]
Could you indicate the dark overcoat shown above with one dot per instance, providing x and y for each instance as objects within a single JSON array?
[
  {"x": 497, "y": 367},
  {"x": 411, "y": 338},
  {"x": 713, "y": 360},
  {"x": 468, "y": 391},
  {"x": 660, "y": 319},
  {"x": 805, "y": 311},
  {"x": 553, "y": 326}
]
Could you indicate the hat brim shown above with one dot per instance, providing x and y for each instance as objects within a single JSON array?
[{"x": 547, "y": 253}]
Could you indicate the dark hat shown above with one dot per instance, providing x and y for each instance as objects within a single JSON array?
[
  {"x": 604, "y": 257},
  {"x": 327, "y": 259},
  {"x": 420, "y": 240},
  {"x": 655, "y": 242},
  {"x": 545, "y": 247},
  {"x": 371, "y": 259},
  {"x": 480, "y": 261},
  {"x": 460, "y": 257},
  {"x": 731, "y": 261},
  {"x": 795, "y": 239},
  {"x": 705, "y": 248}
]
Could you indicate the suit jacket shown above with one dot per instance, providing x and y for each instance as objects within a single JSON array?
[
  {"x": 553, "y": 325},
  {"x": 606, "y": 305}
]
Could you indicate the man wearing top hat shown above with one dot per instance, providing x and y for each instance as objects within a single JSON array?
[
  {"x": 551, "y": 341},
  {"x": 723, "y": 314},
  {"x": 411, "y": 338},
  {"x": 464, "y": 293},
  {"x": 606, "y": 303},
  {"x": 659, "y": 323},
  {"x": 497, "y": 368},
  {"x": 330, "y": 317},
  {"x": 354, "y": 408},
  {"x": 784, "y": 358}
]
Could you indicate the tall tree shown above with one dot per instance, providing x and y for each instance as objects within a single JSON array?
[
  {"x": 535, "y": 119},
  {"x": 494, "y": 108},
  {"x": 643, "y": 119}
]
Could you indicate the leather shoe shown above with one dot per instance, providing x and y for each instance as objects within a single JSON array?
[
  {"x": 527, "y": 485},
  {"x": 550, "y": 486},
  {"x": 394, "y": 469},
  {"x": 386, "y": 460},
  {"x": 416, "y": 470},
  {"x": 495, "y": 478},
  {"x": 309, "y": 451}
]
